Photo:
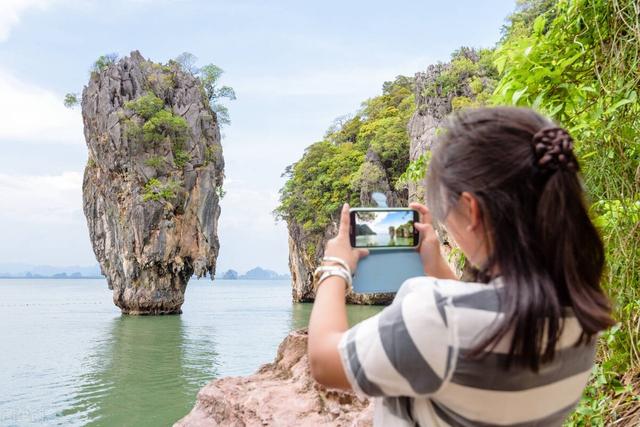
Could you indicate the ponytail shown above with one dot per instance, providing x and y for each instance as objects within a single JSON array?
[
  {"x": 574, "y": 254},
  {"x": 523, "y": 173}
]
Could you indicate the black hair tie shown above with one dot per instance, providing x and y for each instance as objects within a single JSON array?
[{"x": 553, "y": 148}]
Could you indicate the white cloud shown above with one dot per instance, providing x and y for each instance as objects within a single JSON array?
[
  {"x": 34, "y": 114},
  {"x": 10, "y": 11},
  {"x": 48, "y": 199},
  {"x": 248, "y": 209}
]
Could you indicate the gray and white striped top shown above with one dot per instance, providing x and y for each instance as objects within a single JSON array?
[{"x": 411, "y": 357}]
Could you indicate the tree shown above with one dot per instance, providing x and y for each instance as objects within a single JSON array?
[
  {"x": 103, "y": 62},
  {"x": 188, "y": 61},
  {"x": 209, "y": 76},
  {"x": 71, "y": 100}
]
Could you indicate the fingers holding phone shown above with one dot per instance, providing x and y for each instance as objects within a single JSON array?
[
  {"x": 340, "y": 246},
  {"x": 429, "y": 247}
]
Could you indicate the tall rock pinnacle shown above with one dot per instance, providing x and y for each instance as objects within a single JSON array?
[{"x": 152, "y": 181}]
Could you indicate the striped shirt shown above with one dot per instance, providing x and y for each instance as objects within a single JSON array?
[{"x": 412, "y": 358}]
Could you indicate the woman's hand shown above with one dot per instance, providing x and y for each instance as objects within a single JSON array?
[
  {"x": 432, "y": 260},
  {"x": 340, "y": 246}
]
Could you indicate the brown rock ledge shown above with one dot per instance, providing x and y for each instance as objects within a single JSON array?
[{"x": 281, "y": 393}]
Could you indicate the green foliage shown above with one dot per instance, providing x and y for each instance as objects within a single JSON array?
[
  {"x": 164, "y": 124},
  {"x": 132, "y": 130},
  {"x": 71, "y": 100},
  {"x": 220, "y": 192},
  {"x": 159, "y": 123},
  {"x": 319, "y": 184},
  {"x": 470, "y": 74},
  {"x": 578, "y": 61},
  {"x": 155, "y": 162},
  {"x": 209, "y": 76},
  {"x": 417, "y": 169},
  {"x": 332, "y": 171},
  {"x": 180, "y": 156},
  {"x": 146, "y": 106},
  {"x": 210, "y": 153},
  {"x": 158, "y": 191},
  {"x": 103, "y": 62},
  {"x": 520, "y": 23}
]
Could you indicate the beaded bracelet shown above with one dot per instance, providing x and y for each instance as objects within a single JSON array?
[
  {"x": 339, "y": 261},
  {"x": 328, "y": 271}
]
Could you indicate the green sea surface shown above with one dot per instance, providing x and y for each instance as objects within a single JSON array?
[{"x": 70, "y": 358}]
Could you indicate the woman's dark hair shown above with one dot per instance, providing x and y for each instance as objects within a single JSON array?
[{"x": 521, "y": 169}]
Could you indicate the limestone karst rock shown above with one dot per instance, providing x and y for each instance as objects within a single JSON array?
[
  {"x": 303, "y": 261},
  {"x": 152, "y": 181},
  {"x": 281, "y": 393},
  {"x": 434, "y": 102}
]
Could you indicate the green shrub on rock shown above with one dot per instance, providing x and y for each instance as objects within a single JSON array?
[{"x": 156, "y": 190}]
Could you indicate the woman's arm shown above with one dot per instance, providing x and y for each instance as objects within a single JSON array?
[{"x": 329, "y": 314}]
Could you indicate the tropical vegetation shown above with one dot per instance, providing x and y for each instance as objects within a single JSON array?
[{"x": 576, "y": 61}]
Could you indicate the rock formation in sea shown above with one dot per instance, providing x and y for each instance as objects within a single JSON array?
[
  {"x": 281, "y": 393},
  {"x": 306, "y": 250},
  {"x": 152, "y": 181}
]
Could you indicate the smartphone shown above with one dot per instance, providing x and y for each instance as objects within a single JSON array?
[{"x": 384, "y": 228}]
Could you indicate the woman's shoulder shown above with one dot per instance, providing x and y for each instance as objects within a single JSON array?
[{"x": 447, "y": 288}]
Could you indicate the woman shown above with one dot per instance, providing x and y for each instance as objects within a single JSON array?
[{"x": 514, "y": 348}]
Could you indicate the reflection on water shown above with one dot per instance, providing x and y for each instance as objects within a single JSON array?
[
  {"x": 70, "y": 358},
  {"x": 382, "y": 240},
  {"x": 300, "y": 314},
  {"x": 145, "y": 374}
]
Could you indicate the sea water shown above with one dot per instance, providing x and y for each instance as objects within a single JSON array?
[{"x": 68, "y": 356}]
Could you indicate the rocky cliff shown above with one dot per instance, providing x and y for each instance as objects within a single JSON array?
[
  {"x": 152, "y": 182},
  {"x": 306, "y": 249},
  {"x": 466, "y": 81},
  {"x": 281, "y": 393}
]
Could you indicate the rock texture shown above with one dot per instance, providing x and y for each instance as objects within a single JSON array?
[
  {"x": 151, "y": 187},
  {"x": 433, "y": 105},
  {"x": 306, "y": 251},
  {"x": 281, "y": 393}
]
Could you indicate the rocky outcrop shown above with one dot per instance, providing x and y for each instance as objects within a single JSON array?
[
  {"x": 281, "y": 393},
  {"x": 306, "y": 250},
  {"x": 152, "y": 182},
  {"x": 440, "y": 90},
  {"x": 429, "y": 114},
  {"x": 436, "y": 91}
]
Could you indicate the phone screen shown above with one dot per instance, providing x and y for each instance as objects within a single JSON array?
[{"x": 391, "y": 228}]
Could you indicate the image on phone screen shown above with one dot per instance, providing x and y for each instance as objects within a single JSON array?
[{"x": 384, "y": 229}]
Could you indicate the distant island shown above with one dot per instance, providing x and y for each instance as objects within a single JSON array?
[
  {"x": 30, "y": 271},
  {"x": 256, "y": 273}
]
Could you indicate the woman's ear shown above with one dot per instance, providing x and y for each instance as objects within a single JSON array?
[{"x": 471, "y": 208}]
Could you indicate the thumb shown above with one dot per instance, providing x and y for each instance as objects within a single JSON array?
[
  {"x": 423, "y": 228},
  {"x": 426, "y": 231},
  {"x": 362, "y": 253}
]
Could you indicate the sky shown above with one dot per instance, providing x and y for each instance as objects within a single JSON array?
[{"x": 295, "y": 66}]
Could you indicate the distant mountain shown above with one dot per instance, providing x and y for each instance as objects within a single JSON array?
[
  {"x": 19, "y": 270},
  {"x": 364, "y": 230},
  {"x": 230, "y": 275},
  {"x": 259, "y": 273}
]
